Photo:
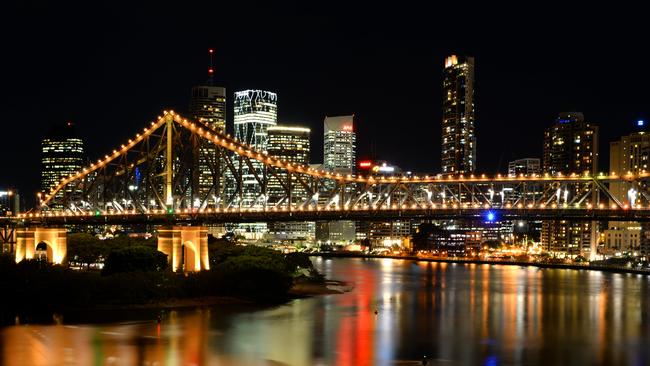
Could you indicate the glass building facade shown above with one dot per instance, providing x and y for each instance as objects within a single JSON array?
[
  {"x": 290, "y": 144},
  {"x": 570, "y": 146},
  {"x": 208, "y": 106},
  {"x": 458, "y": 136},
  {"x": 62, "y": 155},
  {"x": 339, "y": 144}
]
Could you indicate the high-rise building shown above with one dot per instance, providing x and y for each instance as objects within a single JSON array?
[
  {"x": 340, "y": 144},
  {"x": 630, "y": 154},
  {"x": 62, "y": 156},
  {"x": 208, "y": 105},
  {"x": 570, "y": 146},
  {"x": 525, "y": 166},
  {"x": 339, "y": 156},
  {"x": 458, "y": 136},
  {"x": 291, "y": 144},
  {"x": 9, "y": 202},
  {"x": 255, "y": 111}
]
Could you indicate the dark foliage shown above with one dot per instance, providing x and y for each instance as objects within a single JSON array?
[{"x": 134, "y": 259}]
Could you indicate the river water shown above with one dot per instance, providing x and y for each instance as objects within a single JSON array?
[{"x": 454, "y": 314}]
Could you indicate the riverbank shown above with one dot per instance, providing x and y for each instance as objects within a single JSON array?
[{"x": 574, "y": 266}]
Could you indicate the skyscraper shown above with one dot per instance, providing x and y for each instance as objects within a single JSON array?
[
  {"x": 290, "y": 144},
  {"x": 458, "y": 137},
  {"x": 630, "y": 154},
  {"x": 524, "y": 166},
  {"x": 208, "y": 105},
  {"x": 339, "y": 144},
  {"x": 570, "y": 146},
  {"x": 255, "y": 112},
  {"x": 339, "y": 156},
  {"x": 62, "y": 156}
]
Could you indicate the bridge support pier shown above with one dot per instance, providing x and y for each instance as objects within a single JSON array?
[
  {"x": 51, "y": 240},
  {"x": 186, "y": 247}
]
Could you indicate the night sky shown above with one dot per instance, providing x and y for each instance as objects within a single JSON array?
[{"x": 111, "y": 69}]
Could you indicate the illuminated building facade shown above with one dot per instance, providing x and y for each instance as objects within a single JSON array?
[
  {"x": 339, "y": 156},
  {"x": 458, "y": 136},
  {"x": 9, "y": 202},
  {"x": 340, "y": 144},
  {"x": 525, "y": 166},
  {"x": 290, "y": 144},
  {"x": 570, "y": 146},
  {"x": 630, "y": 154},
  {"x": 208, "y": 105},
  {"x": 254, "y": 112},
  {"x": 62, "y": 155}
]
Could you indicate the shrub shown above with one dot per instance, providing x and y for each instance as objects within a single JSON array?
[{"x": 134, "y": 259}]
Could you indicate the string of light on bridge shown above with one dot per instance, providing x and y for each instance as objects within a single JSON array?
[{"x": 232, "y": 144}]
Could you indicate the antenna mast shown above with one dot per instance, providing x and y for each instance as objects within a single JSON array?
[{"x": 211, "y": 68}]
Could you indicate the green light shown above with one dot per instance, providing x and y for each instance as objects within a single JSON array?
[
  {"x": 97, "y": 212},
  {"x": 170, "y": 210}
]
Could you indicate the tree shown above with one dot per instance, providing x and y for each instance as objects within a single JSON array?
[{"x": 134, "y": 259}]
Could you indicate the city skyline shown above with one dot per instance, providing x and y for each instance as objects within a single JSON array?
[{"x": 414, "y": 146}]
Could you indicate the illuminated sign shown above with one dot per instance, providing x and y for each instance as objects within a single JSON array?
[
  {"x": 640, "y": 122},
  {"x": 365, "y": 164},
  {"x": 386, "y": 169},
  {"x": 347, "y": 128}
]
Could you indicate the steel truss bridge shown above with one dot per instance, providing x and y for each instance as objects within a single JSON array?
[{"x": 177, "y": 170}]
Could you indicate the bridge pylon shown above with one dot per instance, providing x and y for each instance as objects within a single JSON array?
[
  {"x": 186, "y": 247},
  {"x": 52, "y": 242}
]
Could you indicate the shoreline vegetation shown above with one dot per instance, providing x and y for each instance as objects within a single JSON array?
[
  {"x": 576, "y": 266},
  {"x": 135, "y": 275}
]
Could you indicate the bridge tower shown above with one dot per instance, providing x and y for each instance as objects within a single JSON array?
[
  {"x": 53, "y": 241},
  {"x": 186, "y": 247}
]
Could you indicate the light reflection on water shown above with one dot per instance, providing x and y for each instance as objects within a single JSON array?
[{"x": 456, "y": 314}]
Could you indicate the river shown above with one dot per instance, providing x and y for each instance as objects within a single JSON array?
[{"x": 398, "y": 312}]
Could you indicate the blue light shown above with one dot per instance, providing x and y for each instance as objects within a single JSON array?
[
  {"x": 640, "y": 123},
  {"x": 490, "y": 216}
]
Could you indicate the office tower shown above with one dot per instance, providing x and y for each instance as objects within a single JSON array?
[
  {"x": 340, "y": 144},
  {"x": 255, "y": 112},
  {"x": 458, "y": 136},
  {"x": 570, "y": 146},
  {"x": 9, "y": 202},
  {"x": 62, "y": 156},
  {"x": 291, "y": 144},
  {"x": 339, "y": 156},
  {"x": 208, "y": 106},
  {"x": 630, "y": 154},
  {"x": 527, "y": 166}
]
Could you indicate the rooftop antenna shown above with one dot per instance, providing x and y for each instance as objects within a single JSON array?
[{"x": 211, "y": 68}]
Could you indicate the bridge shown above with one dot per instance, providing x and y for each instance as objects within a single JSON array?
[{"x": 180, "y": 173}]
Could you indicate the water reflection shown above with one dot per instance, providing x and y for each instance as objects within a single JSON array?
[{"x": 398, "y": 312}]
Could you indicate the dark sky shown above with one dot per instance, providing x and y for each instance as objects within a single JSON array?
[{"x": 111, "y": 69}]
